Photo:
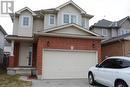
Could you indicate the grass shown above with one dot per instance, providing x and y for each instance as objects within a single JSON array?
[{"x": 12, "y": 81}]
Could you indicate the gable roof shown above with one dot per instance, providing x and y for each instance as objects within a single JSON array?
[
  {"x": 109, "y": 24},
  {"x": 113, "y": 39},
  {"x": 2, "y": 30},
  {"x": 105, "y": 24},
  {"x": 69, "y": 25},
  {"x": 70, "y": 2},
  {"x": 120, "y": 22},
  {"x": 26, "y": 8}
]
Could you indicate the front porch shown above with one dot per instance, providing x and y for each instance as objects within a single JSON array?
[
  {"x": 21, "y": 71},
  {"x": 22, "y": 60}
]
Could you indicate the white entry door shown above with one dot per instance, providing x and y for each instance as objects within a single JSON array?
[
  {"x": 67, "y": 64},
  {"x": 25, "y": 54}
]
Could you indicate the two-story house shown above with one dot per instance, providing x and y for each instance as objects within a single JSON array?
[
  {"x": 116, "y": 36},
  {"x": 55, "y": 42},
  {"x": 109, "y": 29},
  {"x": 2, "y": 40}
]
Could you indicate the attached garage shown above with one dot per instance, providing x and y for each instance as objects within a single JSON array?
[{"x": 65, "y": 64}]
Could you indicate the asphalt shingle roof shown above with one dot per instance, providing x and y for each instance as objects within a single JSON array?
[{"x": 113, "y": 39}]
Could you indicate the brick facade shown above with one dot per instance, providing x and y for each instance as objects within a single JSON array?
[
  {"x": 65, "y": 43},
  {"x": 14, "y": 60},
  {"x": 112, "y": 49},
  {"x": 118, "y": 48}
]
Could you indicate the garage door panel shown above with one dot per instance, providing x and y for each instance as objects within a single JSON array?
[{"x": 67, "y": 64}]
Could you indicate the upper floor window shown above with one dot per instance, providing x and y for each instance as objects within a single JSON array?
[
  {"x": 66, "y": 18},
  {"x": 73, "y": 18},
  {"x": 121, "y": 32},
  {"x": 104, "y": 32},
  {"x": 25, "y": 21},
  {"x": 69, "y": 18},
  {"x": 52, "y": 19},
  {"x": 83, "y": 23}
]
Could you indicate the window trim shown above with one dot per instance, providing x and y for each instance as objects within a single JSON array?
[
  {"x": 70, "y": 14},
  {"x": 105, "y": 31},
  {"x": 29, "y": 22},
  {"x": 83, "y": 20},
  {"x": 49, "y": 19}
]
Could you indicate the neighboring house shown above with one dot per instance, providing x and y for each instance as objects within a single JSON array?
[
  {"x": 116, "y": 42},
  {"x": 56, "y": 42},
  {"x": 2, "y": 36},
  {"x": 116, "y": 46},
  {"x": 109, "y": 29}
]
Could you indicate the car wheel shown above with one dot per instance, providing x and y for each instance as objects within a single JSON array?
[
  {"x": 91, "y": 79},
  {"x": 121, "y": 84}
]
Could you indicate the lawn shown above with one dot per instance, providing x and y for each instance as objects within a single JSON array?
[{"x": 12, "y": 81}]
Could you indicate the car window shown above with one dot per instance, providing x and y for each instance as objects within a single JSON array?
[
  {"x": 115, "y": 63},
  {"x": 125, "y": 64},
  {"x": 106, "y": 63}
]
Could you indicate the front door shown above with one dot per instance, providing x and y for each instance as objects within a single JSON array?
[{"x": 25, "y": 54}]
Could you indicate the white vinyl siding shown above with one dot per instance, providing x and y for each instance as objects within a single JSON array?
[{"x": 104, "y": 32}]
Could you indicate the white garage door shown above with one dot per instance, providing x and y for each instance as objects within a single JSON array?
[{"x": 67, "y": 64}]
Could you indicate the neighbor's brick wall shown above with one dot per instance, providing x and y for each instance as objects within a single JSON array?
[
  {"x": 65, "y": 43},
  {"x": 126, "y": 48},
  {"x": 112, "y": 49}
]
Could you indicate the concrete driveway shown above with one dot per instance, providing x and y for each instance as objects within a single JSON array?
[{"x": 62, "y": 83}]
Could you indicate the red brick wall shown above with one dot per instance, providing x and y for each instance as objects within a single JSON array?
[
  {"x": 65, "y": 43},
  {"x": 14, "y": 60},
  {"x": 112, "y": 49},
  {"x": 11, "y": 61}
]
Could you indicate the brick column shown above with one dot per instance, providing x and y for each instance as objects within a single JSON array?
[
  {"x": 11, "y": 61},
  {"x": 39, "y": 59}
]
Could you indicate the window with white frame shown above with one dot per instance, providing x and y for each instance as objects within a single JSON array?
[
  {"x": 52, "y": 19},
  {"x": 121, "y": 32},
  {"x": 25, "y": 21},
  {"x": 69, "y": 18},
  {"x": 73, "y": 18},
  {"x": 83, "y": 23},
  {"x": 66, "y": 18},
  {"x": 104, "y": 32}
]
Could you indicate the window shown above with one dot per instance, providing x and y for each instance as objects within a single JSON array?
[
  {"x": 121, "y": 32},
  {"x": 25, "y": 21},
  {"x": 66, "y": 18},
  {"x": 52, "y": 19},
  {"x": 104, "y": 32},
  {"x": 125, "y": 64},
  {"x": 83, "y": 22},
  {"x": 69, "y": 18},
  {"x": 115, "y": 63},
  {"x": 73, "y": 18}
]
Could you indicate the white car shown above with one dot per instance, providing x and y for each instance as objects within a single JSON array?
[{"x": 112, "y": 72}]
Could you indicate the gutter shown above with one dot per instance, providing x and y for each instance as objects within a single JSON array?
[{"x": 66, "y": 35}]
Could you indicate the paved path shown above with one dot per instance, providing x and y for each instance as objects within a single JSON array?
[{"x": 62, "y": 83}]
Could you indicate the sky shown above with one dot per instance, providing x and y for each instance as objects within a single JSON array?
[{"x": 112, "y": 10}]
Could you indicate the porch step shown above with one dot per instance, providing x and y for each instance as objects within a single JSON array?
[{"x": 26, "y": 71}]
